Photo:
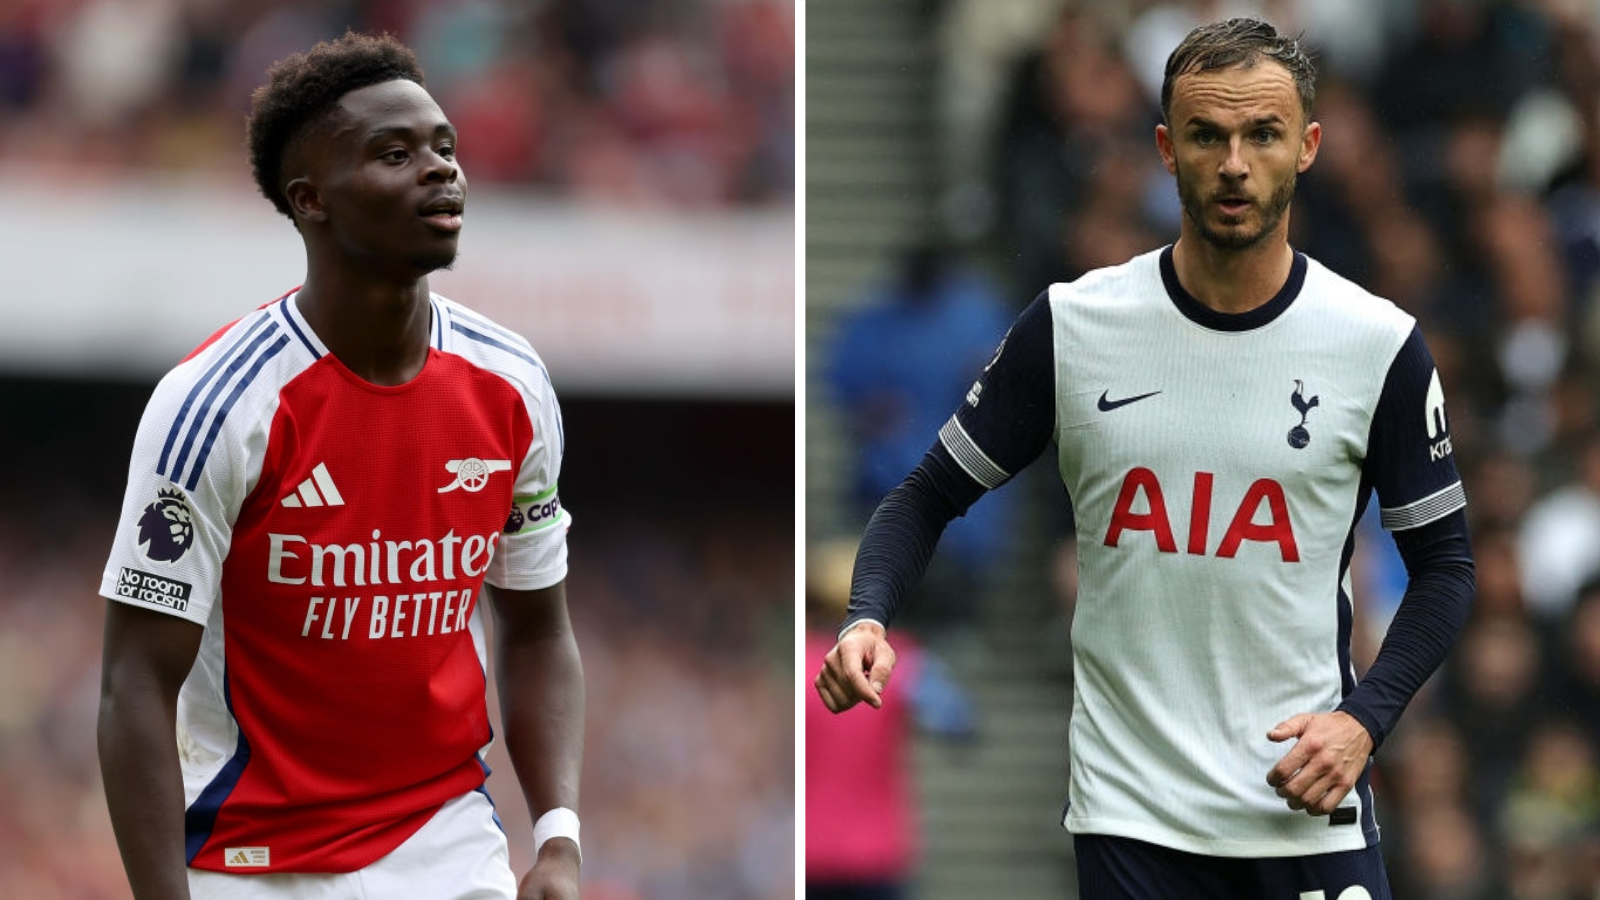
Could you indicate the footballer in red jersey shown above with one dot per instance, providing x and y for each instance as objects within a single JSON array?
[{"x": 320, "y": 498}]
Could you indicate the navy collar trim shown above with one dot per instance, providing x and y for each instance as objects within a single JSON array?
[{"x": 1206, "y": 317}]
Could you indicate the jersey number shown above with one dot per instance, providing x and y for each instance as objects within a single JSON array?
[
  {"x": 1353, "y": 892},
  {"x": 1142, "y": 483}
]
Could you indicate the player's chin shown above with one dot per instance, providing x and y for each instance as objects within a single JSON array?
[
  {"x": 434, "y": 259},
  {"x": 1235, "y": 235}
]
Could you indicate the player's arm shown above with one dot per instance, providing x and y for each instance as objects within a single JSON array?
[
  {"x": 1411, "y": 464},
  {"x": 540, "y": 679},
  {"x": 147, "y": 655},
  {"x": 1438, "y": 597},
  {"x": 1422, "y": 503},
  {"x": 895, "y": 550},
  {"x": 1006, "y": 422},
  {"x": 1433, "y": 610}
]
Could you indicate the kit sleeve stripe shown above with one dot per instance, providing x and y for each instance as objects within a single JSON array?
[
  {"x": 1434, "y": 506},
  {"x": 222, "y": 413},
  {"x": 972, "y": 459}
]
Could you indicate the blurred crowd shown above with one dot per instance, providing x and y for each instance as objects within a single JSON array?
[
  {"x": 1459, "y": 176},
  {"x": 660, "y": 102}
]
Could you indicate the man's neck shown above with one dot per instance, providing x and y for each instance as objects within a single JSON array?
[
  {"x": 1232, "y": 280},
  {"x": 377, "y": 330}
]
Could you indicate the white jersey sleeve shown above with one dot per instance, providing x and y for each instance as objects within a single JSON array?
[
  {"x": 533, "y": 549},
  {"x": 196, "y": 456}
]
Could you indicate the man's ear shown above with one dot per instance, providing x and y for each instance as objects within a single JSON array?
[
  {"x": 305, "y": 200},
  {"x": 1169, "y": 153},
  {"x": 1309, "y": 143}
]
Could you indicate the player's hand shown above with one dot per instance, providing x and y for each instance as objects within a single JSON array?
[
  {"x": 554, "y": 875},
  {"x": 1330, "y": 751},
  {"x": 856, "y": 669}
]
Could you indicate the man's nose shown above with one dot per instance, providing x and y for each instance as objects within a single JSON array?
[{"x": 1233, "y": 165}]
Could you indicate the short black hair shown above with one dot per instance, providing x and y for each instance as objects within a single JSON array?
[
  {"x": 1239, "y": 42},
  {"x": 302, "y": 88}
]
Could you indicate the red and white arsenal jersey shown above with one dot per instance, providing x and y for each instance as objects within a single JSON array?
[{"x": 334, "y": 536}]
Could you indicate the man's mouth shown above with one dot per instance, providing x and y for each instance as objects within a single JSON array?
[
  {"x": 1233, "y": 206},
  {"x": 444, "y": 221},
  {"x": 443, "y": 213}
]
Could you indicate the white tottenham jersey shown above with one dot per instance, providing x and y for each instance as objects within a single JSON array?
[{"x": 1217, "y": 466}]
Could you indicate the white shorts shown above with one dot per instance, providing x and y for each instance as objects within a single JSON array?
[{"x": 460, "y": 854}]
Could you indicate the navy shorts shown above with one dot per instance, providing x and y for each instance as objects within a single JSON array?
[{"x": 1114, "y": 868}]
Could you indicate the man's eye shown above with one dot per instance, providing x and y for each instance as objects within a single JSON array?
[
  {"x": 395, "y": 155},
  {"x": 447, "y": 151}
]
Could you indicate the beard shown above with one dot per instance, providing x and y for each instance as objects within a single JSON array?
[
  {"x": 435, "y": 263},
  {"x": 434, "y": 260},
  {"x": 1235, "y": 237}
]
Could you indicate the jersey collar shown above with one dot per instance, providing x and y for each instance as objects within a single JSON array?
[
  {"x": 1206, "y": 317},
  {"x": 290, "y": 310}
]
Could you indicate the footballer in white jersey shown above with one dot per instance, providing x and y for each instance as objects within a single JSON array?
[
  {"x": 1221, "y": 412},
  {"x": 1217, "y": 467}
]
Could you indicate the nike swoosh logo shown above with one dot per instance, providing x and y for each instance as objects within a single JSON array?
[{"x": 1108, "y": 405}]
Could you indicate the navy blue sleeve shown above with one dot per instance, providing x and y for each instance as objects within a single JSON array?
[
  {"x": 1410, "y": 460},
  {"x": 1009, "y": 415},
  {"x": 1411, "y": 464},
  {"x": 1438, "y": 597},
  {"x": 1005, "y": 423}
]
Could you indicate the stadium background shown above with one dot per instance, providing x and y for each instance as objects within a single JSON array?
[
  {"x": 631, "y": 168},
  {"x": 1459, "y": 175}
]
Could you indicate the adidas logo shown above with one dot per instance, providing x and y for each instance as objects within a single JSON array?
[
  {"x": 318, "y": 490},
  {"x": 234, "y": 857}
]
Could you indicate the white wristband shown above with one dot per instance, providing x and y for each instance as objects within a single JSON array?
[{"x": 558, "y": 822}]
